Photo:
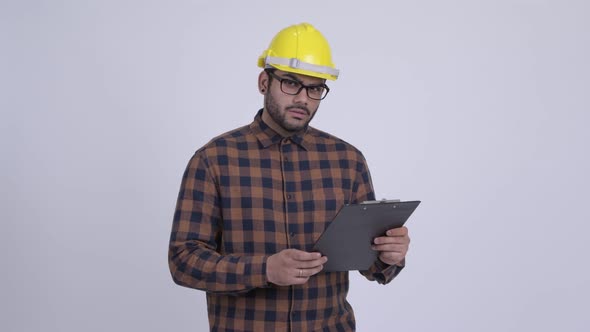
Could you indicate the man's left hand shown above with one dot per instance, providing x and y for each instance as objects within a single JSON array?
[{"x": 393, "y": 246}]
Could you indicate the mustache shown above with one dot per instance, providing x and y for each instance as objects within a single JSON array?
[{"x": 301, "y": 107}]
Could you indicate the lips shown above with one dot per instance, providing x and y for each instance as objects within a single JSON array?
[{"x": 298, "y": 112}]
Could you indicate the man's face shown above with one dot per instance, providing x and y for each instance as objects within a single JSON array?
[{"x": 291, "y": 112}]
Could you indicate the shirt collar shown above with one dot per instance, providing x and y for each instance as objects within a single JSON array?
[{"x": 267, "y": 136}]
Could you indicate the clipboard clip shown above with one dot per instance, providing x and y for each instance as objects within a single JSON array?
[{"x": 382, "y": 201}]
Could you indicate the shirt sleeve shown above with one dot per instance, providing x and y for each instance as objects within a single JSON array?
[
  {"x": 379, "y": 271},
  {"x": 193, "y": 255},
  {"x": 383, "y": 273}
]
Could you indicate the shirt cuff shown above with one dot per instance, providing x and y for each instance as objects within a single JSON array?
[
  {"x": 383, "y": 273},
  {"x": 255, "y": 272}
]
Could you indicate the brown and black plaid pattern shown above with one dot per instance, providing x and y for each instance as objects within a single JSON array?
[{"x": 251, "y": 193}]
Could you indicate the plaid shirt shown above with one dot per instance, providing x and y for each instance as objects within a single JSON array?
[{"x": 251, "y": 193}]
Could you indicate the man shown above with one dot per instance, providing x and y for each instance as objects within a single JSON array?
[{"x": 253, "y": 202}]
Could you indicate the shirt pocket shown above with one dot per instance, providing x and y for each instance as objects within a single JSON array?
[{"x": 321, "y": 204}]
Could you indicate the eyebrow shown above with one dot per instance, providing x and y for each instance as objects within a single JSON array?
[{"x": 293, "y": 77}]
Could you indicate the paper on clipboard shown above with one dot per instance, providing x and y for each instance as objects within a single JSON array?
[{"x": 347, "y": 240}]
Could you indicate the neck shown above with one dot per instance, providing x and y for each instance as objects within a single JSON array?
[{"x": 275, "y": 126}]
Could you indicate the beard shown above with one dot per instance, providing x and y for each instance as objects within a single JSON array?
[{"x": 280, "y": 117}]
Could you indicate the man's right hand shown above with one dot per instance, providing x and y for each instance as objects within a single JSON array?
[{"x": 293, "y": 267}]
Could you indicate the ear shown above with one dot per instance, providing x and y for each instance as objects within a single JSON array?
[{"x": 263, "y": 82}]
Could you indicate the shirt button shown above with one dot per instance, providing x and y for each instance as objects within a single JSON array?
[
  {"x": 291, "y": 234},
  {"x": 289, "y": 196}
]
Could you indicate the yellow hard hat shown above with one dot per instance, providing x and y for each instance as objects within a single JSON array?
[{"x": 300, "y": 49}]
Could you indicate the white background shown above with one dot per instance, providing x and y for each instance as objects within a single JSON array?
[{"x": 478, "y": 108}]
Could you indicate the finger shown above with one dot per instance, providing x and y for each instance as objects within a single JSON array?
[
  {"x": 391, "y": 258},
  {"x": 393, "y": 240},
  {"x": 311, "y": 264},
  {"x": 306, "y": 273},
  {"x": 299, "y": 281},
  {"x": 402, "y": 231},
  {"x": 390, "y": 248},
  {"x": 300, "y": 255}
]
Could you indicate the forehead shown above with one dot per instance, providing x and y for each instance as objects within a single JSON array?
[{"x": 301, "y": 78}]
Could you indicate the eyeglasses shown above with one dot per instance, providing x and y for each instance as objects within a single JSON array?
[{"x": 292, "y": 87}]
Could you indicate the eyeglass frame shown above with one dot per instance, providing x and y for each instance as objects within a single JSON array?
[{"x": 301, "y": 85}]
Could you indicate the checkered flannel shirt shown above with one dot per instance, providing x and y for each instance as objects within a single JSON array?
[{"x": 251, "y": 193}]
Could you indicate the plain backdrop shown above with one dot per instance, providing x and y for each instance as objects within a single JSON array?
[{"x": 478, "y": 108}]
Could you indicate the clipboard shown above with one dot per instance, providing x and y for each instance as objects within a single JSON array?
[{"x": 348, "y": 238}]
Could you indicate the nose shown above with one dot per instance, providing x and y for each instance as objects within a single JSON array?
[{"x": 302, "y": 97}]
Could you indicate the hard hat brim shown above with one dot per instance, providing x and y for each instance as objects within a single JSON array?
[{"x": 299, "y": 67}]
